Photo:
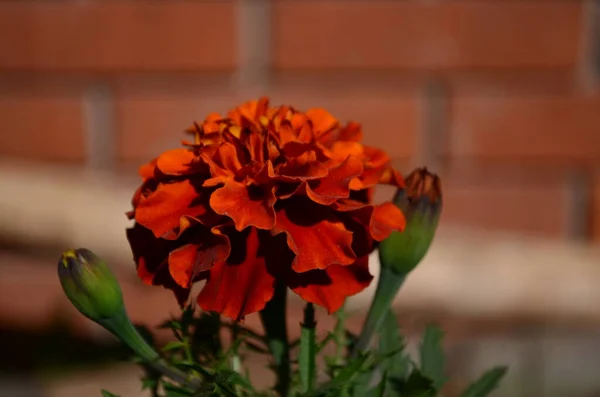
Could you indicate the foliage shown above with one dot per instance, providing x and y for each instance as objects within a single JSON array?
[{"x": 216, "y": 369}]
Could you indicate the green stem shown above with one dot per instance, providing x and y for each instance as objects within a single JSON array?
[
  {"x": 307, "y": 358},
  {"x": 388, "y": 286},
  {"x": 339, "y": 335},
  {"x": 341, "y": 343},
  {"x": 122, "y": 328},
  {"x": 273, "y": 317}
]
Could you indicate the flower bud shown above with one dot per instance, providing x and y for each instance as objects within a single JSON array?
[
  {"x": 90, "y": 285},
  {"x": 421, "y": 203}
]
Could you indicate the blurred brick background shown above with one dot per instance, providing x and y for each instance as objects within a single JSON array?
[{"x": 500, "y": 97}]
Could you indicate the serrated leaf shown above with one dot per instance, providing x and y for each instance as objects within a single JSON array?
[
  {"x": 432, "y": 356},
  {"x": 486, "y": 383},
  {"x": 380, "y": 391},
  {"x": 148, "y": 383},
  {"x": 353, "y": 369},
  {"x": 173, "y": 346},
  {"x": 170, "y": 324},
  {"x": 391, "y": 341},
  {"x": 106, "y": 393},
  {"x": 175, "y": 391},
  {"x": 416, "y": 385}
]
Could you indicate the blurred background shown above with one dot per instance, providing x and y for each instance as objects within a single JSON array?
[{"x": 499, "y": 97}]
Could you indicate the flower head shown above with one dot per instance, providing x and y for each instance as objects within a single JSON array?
[
  {"x": 90, "y": 285},
  {"x": 263, "y": 195},
  {"x": 421, "y": 203}
]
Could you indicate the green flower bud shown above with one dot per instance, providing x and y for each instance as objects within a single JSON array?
[
  {"x": 421, "y": 203},
  {"x": 90, "y": 285}
]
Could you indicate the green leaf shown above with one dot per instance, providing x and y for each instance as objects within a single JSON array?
[
  {"x": 173, "y": 346},
  {"x": 107, "y": 394},
  {"x": 344, "y": 377},
  {"x": 175, "y": 391},
  {"x": 432, "y": 356},
  {"x": 380, "y": 391},
  {"x": 391, "y": 341},
  {"x": 486, "y": 383},
  {"x": 416, "y": 385},
  {"x": 307, "y": 356}
]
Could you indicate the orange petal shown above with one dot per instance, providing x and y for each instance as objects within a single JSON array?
[
  {"x": 322, "y": 121},
  {"x": 391, "y": 177},
  {"x": 241, "y": 285},
  {"x": 336, "y": 185},
  {"x": 150, "y": 255},
  {"x": 386, "y": 218},
  {"x": 382, "y": 219},
  {"x": 188, "y": 261},
  {"x": 342, "y": 149},
  {"x": 351, "y": 132},
  {"x": 162, "y": 210},
  {"x": 246, "y": 205},
  {"x": 146, "y": 171},
  {"x": 317, "y": 237},
  {"x": 329, "y": 288},
  {"x": 175, "y": 162}
]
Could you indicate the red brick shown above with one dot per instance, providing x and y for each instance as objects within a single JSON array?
[
  {"x": 533, "y": 127},
  {"x": 117, "y": 35},
  {"x": 595, "y": 209},
  {"x": 511, "y": 200},
  {"x": 42, "y": 122},
  {"x": 152, "y": 115},
  {"x": 385, "y": 34}
]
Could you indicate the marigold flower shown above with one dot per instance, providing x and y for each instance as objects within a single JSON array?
[{"x": 264, "y": 195}]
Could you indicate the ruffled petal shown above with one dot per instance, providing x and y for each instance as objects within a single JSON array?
[
  {"x": 322, "y": 121},
  {"x": 330, "y": 287},
  {"x": 162, "y": 210},
  {"x": 146, "y": 171},
  {"x": 382, "y": 219},
  {"x": 241, "y": 285},
  {"x": 175, "y": 162},
  {"x": 317, "y": 237},
  {"x": 386, "y": 218},
  {"x": 246, "y": 205},
  {"x": 205, "y": 250},
  {"x": 150, "y": 255},
  {"x": 336, "y": 185}
]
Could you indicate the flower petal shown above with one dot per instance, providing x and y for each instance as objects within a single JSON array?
[
  {"x": 205, "y": 251},
  {"x": 336, "y": 185},
  {"x": 383, "y": 219},
  {"x": 322, "y": 121},
  {"x": 330, "y": 287},
  {"x": 241, "y": 285},
  {"x": 246, "y": 205},
  {"x": 162, "y": 210},
  {"x": 386, "y": 218},
  {"x": 317, "y": 237},
  {"x": 175, "y": 162},
  {"x": 150, "y": 255}
]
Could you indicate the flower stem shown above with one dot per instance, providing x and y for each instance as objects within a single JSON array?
[
  {"x": 339, "y": 336},
  {"x": 273, "y": 317},
  {"x": 388, "y": 286},
  {"x": 307, "y": 357},
  {"x": 121, "y": 327}
]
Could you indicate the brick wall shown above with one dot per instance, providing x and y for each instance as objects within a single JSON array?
[{"x": 500, "y": 97}]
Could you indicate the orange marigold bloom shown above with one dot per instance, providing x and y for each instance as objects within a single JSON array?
[{"x": 264, "y": 195}]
